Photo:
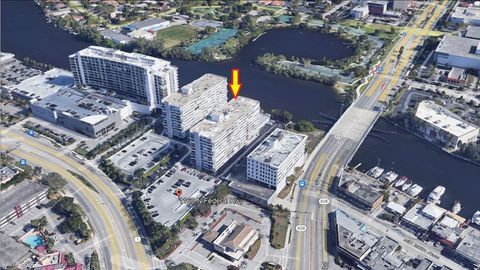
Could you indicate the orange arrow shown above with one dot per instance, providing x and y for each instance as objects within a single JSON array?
[{"x": 235, "y": 85}]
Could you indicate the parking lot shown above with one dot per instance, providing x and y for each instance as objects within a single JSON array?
[
  {"x": 163, "y": 203},
  {"x": 140, "y": 153}
]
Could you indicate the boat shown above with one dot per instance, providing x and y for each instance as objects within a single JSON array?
[
  {"x": 436, "y": 194},
  {"x": 375, "y": 172},
  {"x": 476, "y": 218},
  {"x": 406, "y": 185},
  {"x": 457, "y": 206},
  {"x": 414, "y": 190},
  {"x": 401, "y": 181},
  {"x": 389, "y": 177}
]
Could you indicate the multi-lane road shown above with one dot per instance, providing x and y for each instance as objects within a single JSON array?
[
  {"x": 114, "y": 228},
  {"x": 309, "y": 249}
]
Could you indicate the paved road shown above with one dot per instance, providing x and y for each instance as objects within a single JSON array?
[
  {"x": 309, "y": 249},
  {"x": 114, "y": 229}
]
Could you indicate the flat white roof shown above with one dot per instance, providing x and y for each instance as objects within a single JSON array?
[
  {"x": 458, "y": 46},
  {"x": 277, "y": 146},
  {"x": 43, "y": 85},
  {"x": 439, "y": 117},
  {"x": 195, "y": 89},
  {"x": 137, "y": 59},
  {"x": 224, "y": 118}
]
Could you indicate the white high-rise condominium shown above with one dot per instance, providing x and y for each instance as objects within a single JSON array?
[
  {"x": 144, "y": 79},
  {"x": 276, "y": 158},
  {"x": 224, "y": 132},
  {"x": 182, "y": 110}
]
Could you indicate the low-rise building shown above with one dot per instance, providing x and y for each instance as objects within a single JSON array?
[
  {"x": 276, "y": 158},
  {"x": 18, "y": 199},
  {"x": 224, "y": 132},
  {"x": 6, "y": 173},
  {"x": 467, "y": 249},
  {"x": 116, "y": 37},
  {"x": 140, "y": 33},
  {"x": 421, "y": 217},
  {"x": 457, "y": 76},
  {"x": 150, "y": 24},
  {"x": 447, "y": 231},
  {"x": 184, "y": 109},
  {"x": 455, "y": 51},
  {"x": 466, "y": 15},
  {"x": 55, "y": 261},
  {"x": 235, "y": 240},
  {"x": 90, "y": 114},
  {"x": 472, "y": 32},
  {"x": 360, "y": 194},
  {"x": 359, "y": 12},
  {"x": 441, "y": 126}
]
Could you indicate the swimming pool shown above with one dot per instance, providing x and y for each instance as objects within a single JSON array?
[{"x": 34, "y": 241}]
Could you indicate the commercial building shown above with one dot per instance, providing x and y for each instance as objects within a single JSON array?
[
  {"x": 443, "y": 127},
  {"x": 6, "y": 173},
  {"x": 116, "y": 37},
  {"x": 40, "y": 86},
  {"x": 377, "y": 7},
  {"x": 360, "y": 194},
  {"x": 458, "y": 52},
  {"x": 184, "y": 109},
  {"x": 143, "y": 79},
  {"x": 18, "y": 199},
  {"x": 467, "y": 250},
  {"x": 472, "y": 32},
  {"x": 359, "y": 12},
  {"x": 447, "y": 230},
  {"x": 235, "y": 240},
  {"x": 150, "y": 24},
  {"x": 466, "y": 15},
  {"x": 55, "y": 261},
  {"x": 400, "y": 5},
  {"x": 276, "y": 158},
  {"x": 224, "y": 132},
  {"x": 421, "y": 217},
  {"x": 90, "y": 114},
  {"x": 457, "y": 76},
  {"x": 140, "y": 33}
]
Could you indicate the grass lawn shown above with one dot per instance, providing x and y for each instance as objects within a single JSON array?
[
  {"x": 183, "y": 266},
  {"x": 278, "y": 234},
  {"x": 252, "y": 252},
  {"x": 173, "y": 36},
  {"x": 370, "y": 28}
]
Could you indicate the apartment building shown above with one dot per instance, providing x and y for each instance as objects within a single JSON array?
[
  {"x": 143, "y": 79},
  {"x": 276, "y": 158},
  {"x": 224, "y": 132},
  {"x": 184, "y": 109}
]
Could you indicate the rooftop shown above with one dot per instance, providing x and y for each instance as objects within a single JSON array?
[
  {"x": 443, "y": 119},
  {"x": 460, "y": 46},
  {"x": 277, "y": 146},
  {"x": 18, "y": 195},
  {"x": 423, "y": 216},
  {"x": 137, "y": 59},
  {"x": 466, "y": 12},
  {"x": 473, "y": 32},
  {"x": 469, "y": 246},
  {"x": 146, "y": 23},
  {"x": 224, "y": 118},
  {"x": 363, "y": 192},
  {"x": 195, "y": 89},
  {"x": 239, "y": 233},
  {"x": 119, "y": 37},
  {"x": 448, "y": 228},
  {"x": 40, "y": 86},
  {"x": 90, "y": 108}
]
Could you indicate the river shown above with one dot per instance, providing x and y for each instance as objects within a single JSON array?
[{"x": 25, "y": 32}]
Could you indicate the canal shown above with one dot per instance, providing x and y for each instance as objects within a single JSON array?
[{"x": 25, "y": 32}]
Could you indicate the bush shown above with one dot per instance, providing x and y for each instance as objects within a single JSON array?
[{"x": 304, "y": 126}]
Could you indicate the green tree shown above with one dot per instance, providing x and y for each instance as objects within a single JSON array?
[
  {"x": 39, "y": 223},
  {"x": 54, "y": 181},
  {"x": 304, "y": 126}
]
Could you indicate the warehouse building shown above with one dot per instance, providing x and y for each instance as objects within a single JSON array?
[
  {"x": 90, "y": 114},
  {"x": 276, "y": 158},
  {"x": 143, "y": 79},
  {"x": 443, "y": 127},
  {"x": 455, "y": 51},
  {"x": 195, "y": 101},
  {"x": 224, "y": 132},
  {"x": 18, "y": 199}
]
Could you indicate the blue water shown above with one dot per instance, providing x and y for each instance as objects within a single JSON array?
[
  {"x": 220, "y": 37},
  {"x": 34, "y": 241}
]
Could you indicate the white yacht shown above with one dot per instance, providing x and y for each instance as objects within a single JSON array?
[
  {"x": 389, "y": 177},
  {"x": 476, "y": 218},
  {"x": 457, "y": 206},
  {"x": 436, "y": 194},
  {"x": 407, "y": 184},
  {"x": 414, "y": 190},
  {"x": 401, "y": 181},
  {"x": 375, "y": 172}
]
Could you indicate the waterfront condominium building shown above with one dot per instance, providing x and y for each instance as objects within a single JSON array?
[
  {"x": 224, "y": 132},
  {"x": 276, "y": 158},
  {"x": 143, "y": 79},
  {"x": 184, "y": 109}
]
